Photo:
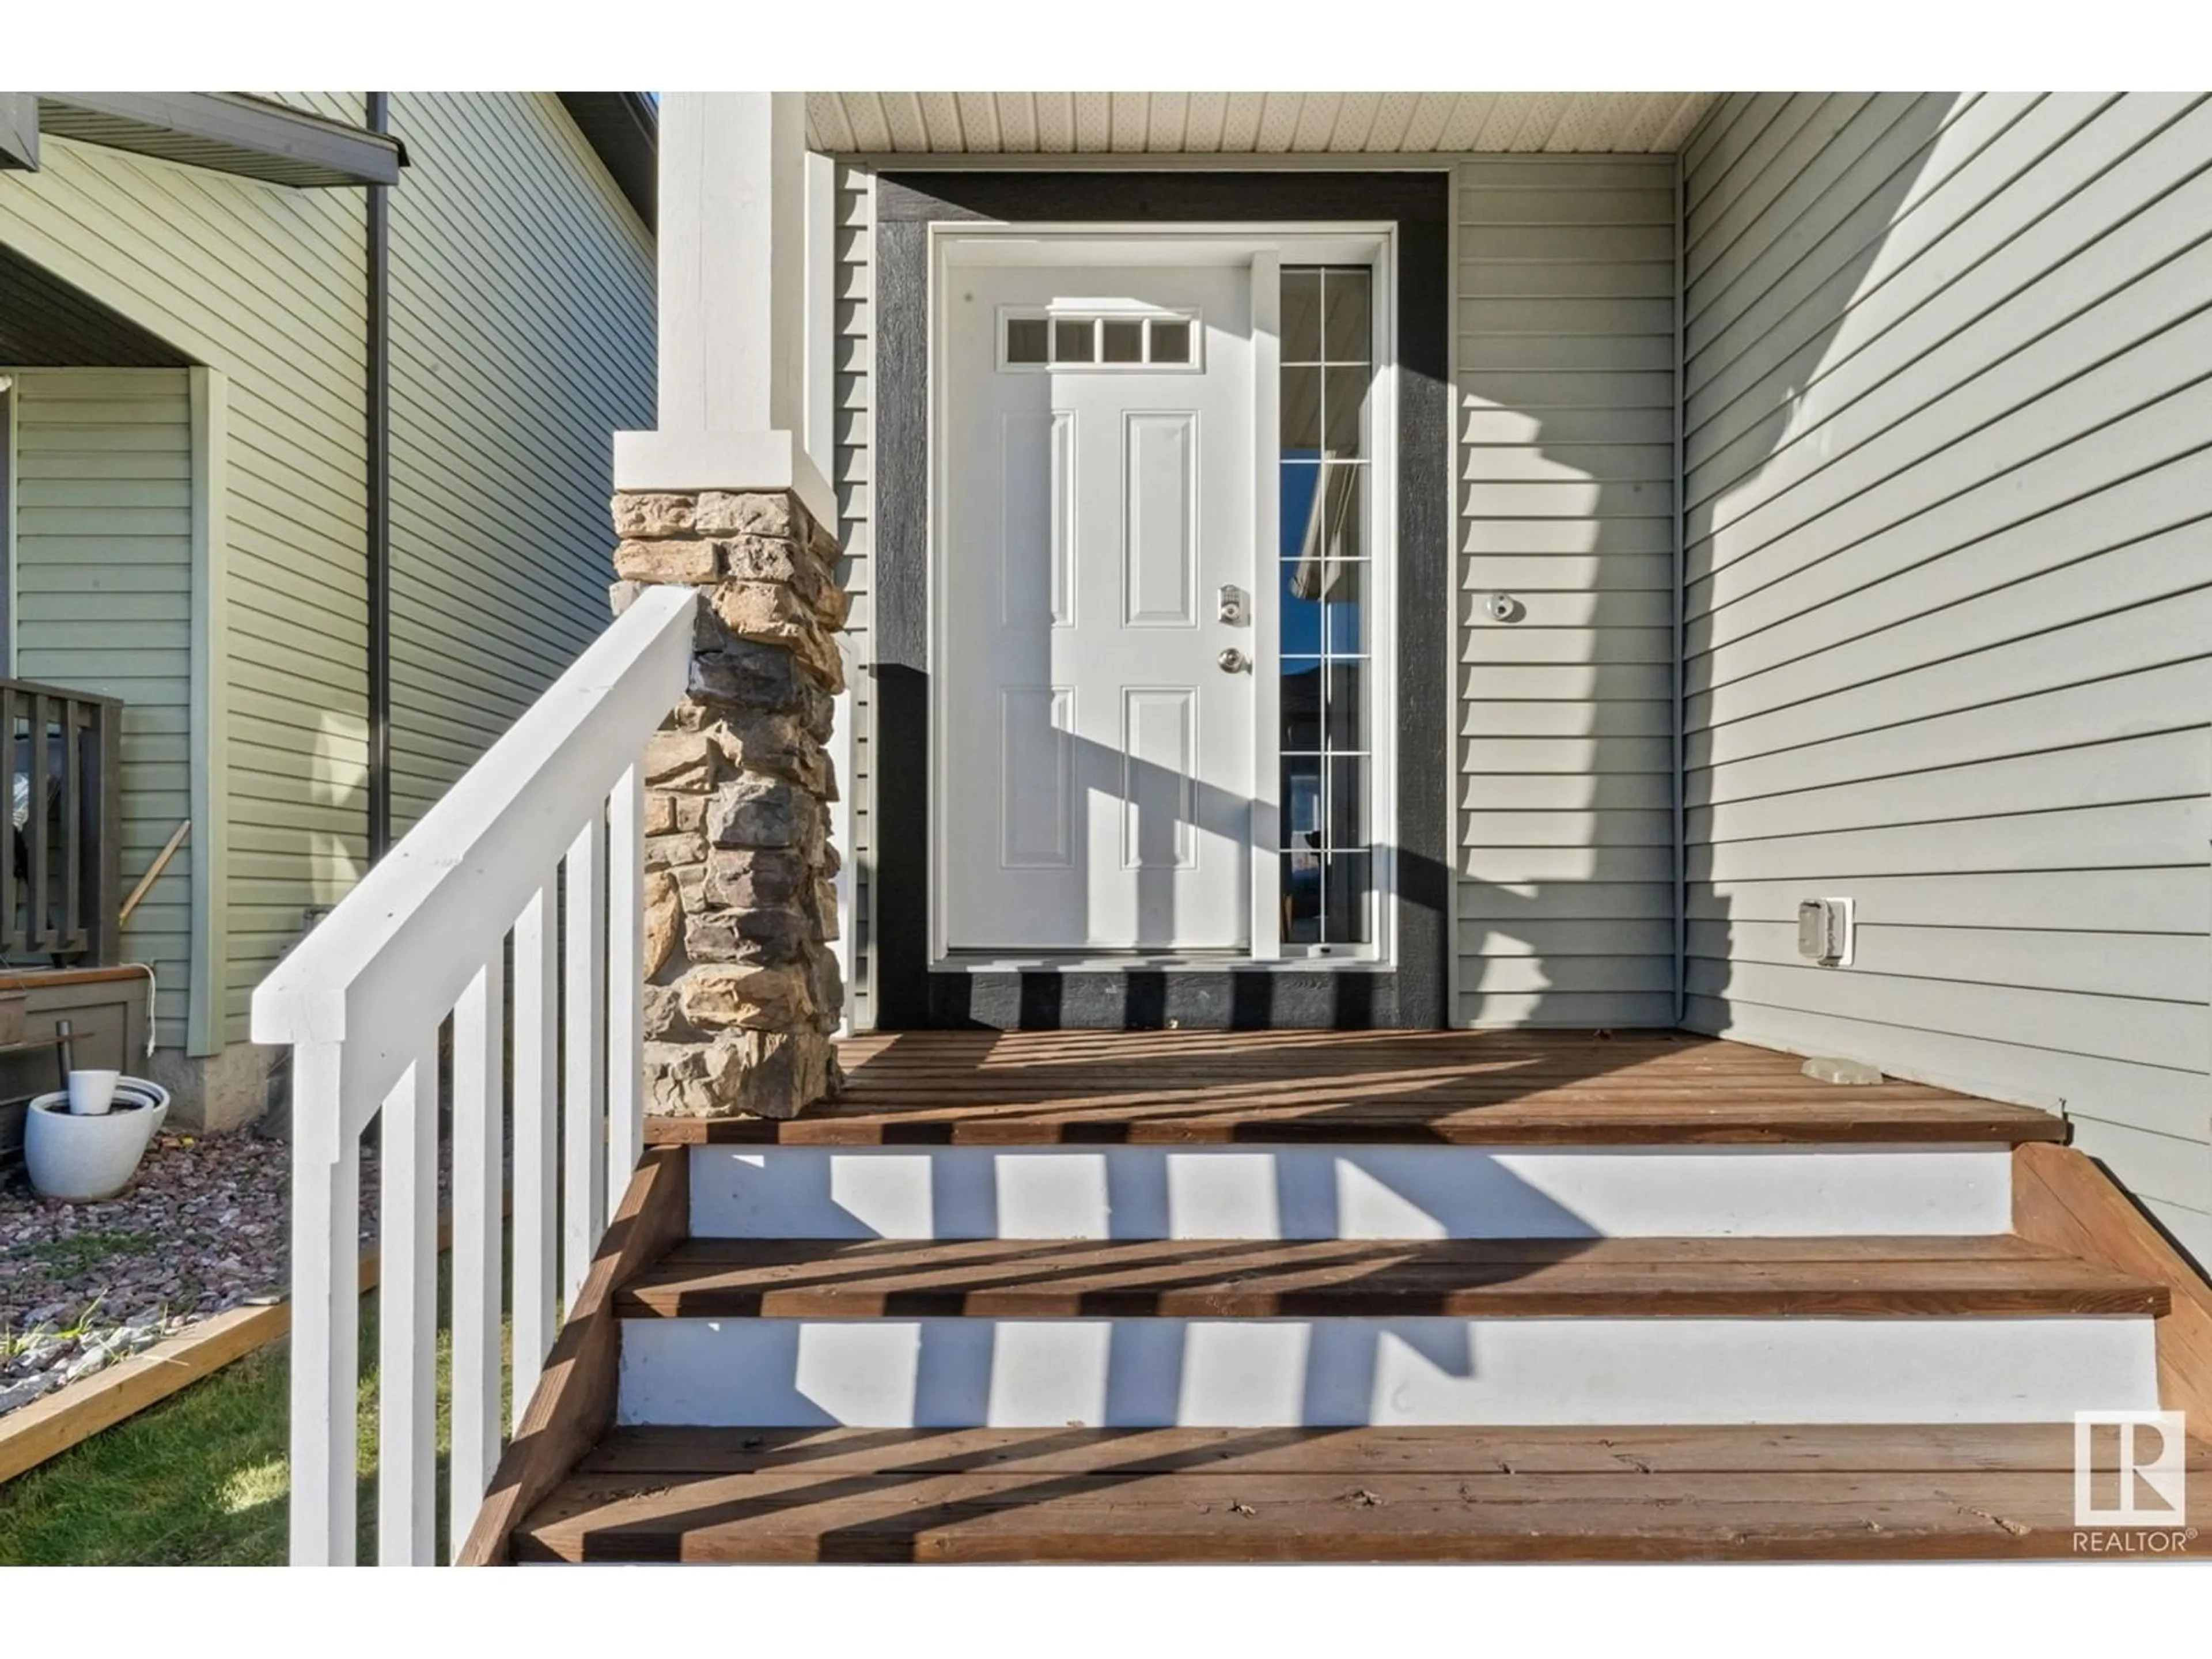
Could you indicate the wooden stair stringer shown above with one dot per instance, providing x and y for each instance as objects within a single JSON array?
[
  {"x": 573, "y": 1406},
  {"x": 2064, "y": 1199}
]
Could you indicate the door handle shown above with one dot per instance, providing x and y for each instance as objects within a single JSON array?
[{"x": 1233, "y": 661}]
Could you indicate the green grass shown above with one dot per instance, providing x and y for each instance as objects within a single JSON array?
[
  {"x": 200, "y": 1479},
  {"x": 87, "y": 1319}
]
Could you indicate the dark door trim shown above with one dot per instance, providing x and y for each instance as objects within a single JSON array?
[{"x": 1412, "y": 992}]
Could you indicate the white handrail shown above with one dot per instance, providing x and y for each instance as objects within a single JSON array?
[
  {"x": 554, "y": 807},
  {"x": 382, "y": 960}
]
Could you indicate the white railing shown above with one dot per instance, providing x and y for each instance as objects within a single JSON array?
[{"x": 553, "y": 813}]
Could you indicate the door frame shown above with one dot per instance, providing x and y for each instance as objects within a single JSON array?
[
  {"x": 1261, "y": 250},
  {"x": 1406, "y": 986}
]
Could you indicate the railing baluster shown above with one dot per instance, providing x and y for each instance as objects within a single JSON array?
[
  {"x": 103, "y": 860},
  {"x": 522, "y": 839},
  {"x": 584, "y": 1092},
  {"x": 326, "y": 1313},
  {"x": 625, "y": 983},
  {"x": 11, "y": 936},
  {"x": 69, "y": 934},
  {"x": 39, "y": 924},
  {"x": 537, "y": 1143},
  {"x": 407, "y": 1320},
  {"x": 477, "y": 1143}
]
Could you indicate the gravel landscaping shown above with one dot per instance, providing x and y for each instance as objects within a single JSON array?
[{"x": 204, "y": 1228}]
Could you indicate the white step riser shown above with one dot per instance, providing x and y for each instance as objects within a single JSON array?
[
  {"x": 1348, "y": 1192},
  {"x": 930, "y": 1373}
]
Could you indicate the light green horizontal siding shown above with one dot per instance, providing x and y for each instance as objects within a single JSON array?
[
  {"x": 1562, "y": 754},
  {"x": 265, "y": 284},
  {"x": 1948, "y": 611},
  {"x": 855, "y": 306},
  {"x": 522, "y": 338},
  {"x": 103, "y": 603},
  {"x": 522, "y": 301}
]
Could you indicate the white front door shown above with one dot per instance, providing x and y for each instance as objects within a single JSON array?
[{"x": 1095, "y": 592}]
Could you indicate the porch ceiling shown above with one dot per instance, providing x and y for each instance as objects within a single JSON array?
[
  {"x": 1248, "y": 122},
  {"x": 45, "y": 323}
]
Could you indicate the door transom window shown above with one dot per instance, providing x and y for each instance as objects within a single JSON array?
[{"x": 1064, "y": 341}]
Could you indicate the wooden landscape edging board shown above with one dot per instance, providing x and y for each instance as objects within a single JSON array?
[
  {"x": 45, "y": 1428},
  {"x": 2061, "y": 1197},
  {"x": 575, "y": 1404}
]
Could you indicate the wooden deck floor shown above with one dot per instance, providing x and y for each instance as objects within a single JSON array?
[
  {"x": 1474, "y": 1088},
  {"x": 1955, "y": 1491}
]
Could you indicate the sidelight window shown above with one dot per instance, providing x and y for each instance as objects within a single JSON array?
[{"x": 1323, "y": 584}]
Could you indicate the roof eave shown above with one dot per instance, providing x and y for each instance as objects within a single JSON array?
[
  {"x": 623, "y": 129},
  {"x": 228, "y": 132}
]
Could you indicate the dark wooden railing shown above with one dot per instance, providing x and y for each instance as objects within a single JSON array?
[{"x": 61, "y": 880}]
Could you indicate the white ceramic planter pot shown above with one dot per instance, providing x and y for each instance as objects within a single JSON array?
[{"x": 81, "y": 1157}]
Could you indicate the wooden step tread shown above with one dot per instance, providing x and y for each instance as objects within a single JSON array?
[
  {"x": 1958, "y": 1492},
  {"x": 1458, "y": 1278},
  {"x": 1196, "y": 1088},
  {"x": 1698, "y": 1119}
]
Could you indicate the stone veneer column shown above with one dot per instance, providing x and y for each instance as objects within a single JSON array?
[{"x": 742, "y": 989}]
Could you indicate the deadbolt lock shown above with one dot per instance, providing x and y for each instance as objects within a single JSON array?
[{"x": 1232, "y": 603}]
